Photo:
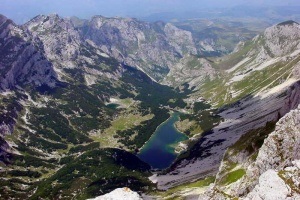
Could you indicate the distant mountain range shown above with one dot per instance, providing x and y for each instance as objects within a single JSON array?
[{"x": 271, "y": 14}]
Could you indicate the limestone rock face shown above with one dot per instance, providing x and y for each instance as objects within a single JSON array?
[
  {"x": 280, "y": 152},
  {"x": 277, "y": 45},
  {"x": 282, "y": 38},
  {"x": 270, "y": 187},
  {"x": 21, "y": 58},
  {"x": 151, "y": 47},
  {"x": 282, "y": 146},
  {"x": 180, "y": 39},
  {"x": 191, "y": 70},
  {"x": 67, "y": 50},
  {"x": 275, "y": 172},
  {"x": 120, "y": 193},
  {"x": 60, "y": 40}
]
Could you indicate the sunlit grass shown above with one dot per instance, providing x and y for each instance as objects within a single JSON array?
[{"x": 233, "y": 176}]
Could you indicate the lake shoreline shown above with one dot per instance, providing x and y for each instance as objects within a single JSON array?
[{"x": 160, "y": 150}]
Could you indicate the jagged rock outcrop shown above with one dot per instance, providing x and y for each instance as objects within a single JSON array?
[
  {"x": 60, "y": 40},
  {"x": 152, "y": 48},
  {"x": 282, "y": 146},
  {"x": 282, "y": 39},
  {"x": 67, "y": 50},
  {"x": 120, "y": 193},
  {"x": 270, "y": 187},
  {"x": 275, "y": 172},
  {"x": 21, "y": 58},
  {"x": 279, "y": 155}
]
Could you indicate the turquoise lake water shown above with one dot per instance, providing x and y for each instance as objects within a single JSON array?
[{"x": 159, "y": 151}]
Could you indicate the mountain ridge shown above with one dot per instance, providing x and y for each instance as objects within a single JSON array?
[
  {"x": 18, "y": 46},
  {"x": 62, "y": 133}
]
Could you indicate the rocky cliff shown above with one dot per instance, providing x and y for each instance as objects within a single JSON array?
[
  {"x": 272, "y": 174},
  {"x": 22, "y": 58},
  {"x": 151, "y": 47},
  {"x": 68, "y": 51},
  {"x": 120, "y": 193}
]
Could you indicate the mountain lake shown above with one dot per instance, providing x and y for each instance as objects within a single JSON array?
[{"x": 159, "y": 151}]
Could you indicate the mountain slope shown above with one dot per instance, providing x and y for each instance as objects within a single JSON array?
[
  {"x": 74, "y": 115},
  {"x": 260, "y": 64},
  {"x": 68, "y": 51},
  {"x": 22, "y": 64},
  {"x": 219, "y": 36},
  {"x": 272, "y": 172},
  {"x": 49, "y": 134},
  {"x": 268, "y": 91},
  {"x": 151, "y": 47},
  {"x": 22, "y": 58},
  {"x": 193, "y": 70}
]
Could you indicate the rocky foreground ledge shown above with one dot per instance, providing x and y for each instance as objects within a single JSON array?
[
  {"x": 120, "y": 193},
  {"x": 275, "y": 174}
]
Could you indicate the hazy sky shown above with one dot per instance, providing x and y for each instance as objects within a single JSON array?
[{"x": 22, "y": 10}]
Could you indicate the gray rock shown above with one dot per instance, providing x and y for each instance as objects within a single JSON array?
[
  {"x": 21, "y": 58},
  {"x": 151, "y": 47},
  {"x": 270, "y": 187}
]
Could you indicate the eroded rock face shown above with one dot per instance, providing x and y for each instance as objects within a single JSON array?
[
  {"x": 275, "y": 172},
  {"x": 21, "y": 58},
  {"x": 60, "y": 39},
  {"x": 282, "y": 38},
  {"x": 151, "y": 47},
  {"x": 180, "y": 39},
  {"x": 282, "y": 146},
  {"x": 120, "y": 193},
  {"x": 270, "y": 187},
  {"x": 280, "y": 151},
  {"x": 66, "y": 48},
  {"x": 191, "y": 70}
]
